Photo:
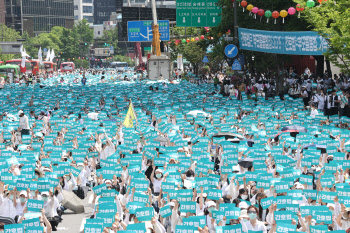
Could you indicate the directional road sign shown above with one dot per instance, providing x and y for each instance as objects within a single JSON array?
[
  {"x": 141, "y": 31},
  {"x": 236, "y": 65},
  {"x": 111, "y": 48},
  {"x": 231, "y": 51},
  {"x": 205, "y": 59},
  {"x": 197, "y": 13}
]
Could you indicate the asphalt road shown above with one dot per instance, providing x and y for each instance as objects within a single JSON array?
[{"x": 73, "y": 223}]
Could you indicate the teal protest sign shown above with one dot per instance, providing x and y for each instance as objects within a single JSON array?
[
  {"x": 229, "y": 229},
  {"x": 185, "y": 229},
  {"x": 325, "y": 217},
  {"x": 284, "y": 216},
  {"x": 267, "y": 202},
  {"x": 35, "y": 205},
  {"x": 144, "y": 214},
  {"x": 18, "y": 228},
  {"x": 37, "y": 229},
  {"x": 214, "y": 194},
  {"x": 194, "y": 221},
  {"x": 327, "y": 197},
  {"x": 319, "y": 229},
  {"x": 34, "y": 222},
  {"x": 98, "y": 189},
  {"x": 132, "y": 206},
  {"x": 108, "y": 207},
  {"x": 188, "y": 206},
  {"x": 284, "y": 227},
  {"x": 108, "y": 219},
  {"x": 44, "y": 186},
  {"x": 137, "y": 227},
  {"x": 165, "y": 211},
  {"x": 93, "y": 228},
  {"x": 311, "y": 210}
]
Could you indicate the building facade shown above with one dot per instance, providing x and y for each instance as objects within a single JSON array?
[
  {"x": 2, "y": 11},
  {"x": 36, "y": 17},
  {"x": 103, "y": 9},
  {"x": 84, "y": 9}
]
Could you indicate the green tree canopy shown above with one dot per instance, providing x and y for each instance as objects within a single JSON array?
[{"x": 332, "y": 21}]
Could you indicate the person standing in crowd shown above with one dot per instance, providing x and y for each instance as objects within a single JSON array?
[{"x": 23, "y": 123}]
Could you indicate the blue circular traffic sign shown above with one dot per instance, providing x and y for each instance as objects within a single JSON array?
[
  {"x": 45, "y": 50},
  {"x": 231, "y": 51}
]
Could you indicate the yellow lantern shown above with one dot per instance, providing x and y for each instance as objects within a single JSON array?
[
  {"x": 192, "y": 39},
  {"x": 283, "y": 14},
  {"x": 250, "y": 7}
]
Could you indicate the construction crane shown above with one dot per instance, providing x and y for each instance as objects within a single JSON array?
[{"x": 155, "y": 30}]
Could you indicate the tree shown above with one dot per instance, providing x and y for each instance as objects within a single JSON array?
[
  {"x": 332, "y": 20},
  {"x": 84, "y": 35},
  {"x": 194, "y": 54},
  {"x": 8, "y": 34},
  {"x": 111, "y": 37}
]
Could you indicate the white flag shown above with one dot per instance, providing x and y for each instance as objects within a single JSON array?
[
  {"x": 52, "y": 55},
  {"x": 48, "y": 55},
  {"x": 24, "y": 53},
  {"x": 40, "y": 56},
  {"x": 21, "y": 49},
  {"x": 23, "y": 63}
]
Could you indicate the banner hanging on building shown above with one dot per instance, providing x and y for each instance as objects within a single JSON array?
[{"x": 293, "y": 43}]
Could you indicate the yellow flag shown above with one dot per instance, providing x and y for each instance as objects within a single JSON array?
[{"x": 130, "y": 116}]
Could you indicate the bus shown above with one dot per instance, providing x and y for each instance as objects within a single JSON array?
[
  {"x": 119, "y": 65},
  {"x": 37, "y": 67},
  {"x": 28, "y": 66},
  {"x": 67, "y": 66},
  {"x": 9, "y": 72},
  {"x": 50, "y": 67}
]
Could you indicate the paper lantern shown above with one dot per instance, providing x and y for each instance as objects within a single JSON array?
[
  {"x": 291, "y": 10},
  {"x": 187, "y": 40},
  {"x": 250, "y": 7},
  {"x": 197, "y": 39},
  {"x": 275, "y": 15},
  {"x": 268, "y": 15},
  {"x": 207, "y": 29},
  {"x": 261, "y": 12},
  {"x": 299, "y": 9},
  {"x": 255, "y": 11},
  {"x": 79, "y": 57},
  {"x": 283, "y": 14},
  {"x": 310, "y": 3},
  {"x": 192, "y": 39},
  {"x": 244, "y": 4},
  {"x": 202, "y": 37},
  {"x": 177, "y": 41},
  {"x": 183, "y": 41}
]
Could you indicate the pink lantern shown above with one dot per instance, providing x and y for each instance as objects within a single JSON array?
[
  {"x": 207, "y": 29},
  {"x": 291, "y": 11},
  {"x": 177, "y": 41},
  {"x": 255, "y": 11},
  {"x": 197, "y": 39}
]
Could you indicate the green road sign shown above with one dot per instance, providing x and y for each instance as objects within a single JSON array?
[{"x": 197, "y": 13}]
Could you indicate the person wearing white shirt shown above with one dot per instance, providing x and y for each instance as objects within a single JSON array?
[
  {"x": 314, "y": 111},
  {"x": 23, "y": 123},
  {"x": 253, "y": 224}
]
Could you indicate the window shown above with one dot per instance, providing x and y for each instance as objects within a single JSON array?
[
  {"x": 76, "y": 7},
  {"x": 75, "y": 17},
  {"x": 87, "y": 9},
  {"x": 87, "y": 1},
  {"x": 99, "y": 32},
  {"x": 90, "y": 19}
]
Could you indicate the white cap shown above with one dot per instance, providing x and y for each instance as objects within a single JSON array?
[
  {"x": 23, "y": 193},
  {"x": 45, "y": 193},
  {"x": 210, "y": 203},
  {"x": 244, "y": 213},
  {"x": 243, "y": 205},
  {"x": 20, "y": 112}
]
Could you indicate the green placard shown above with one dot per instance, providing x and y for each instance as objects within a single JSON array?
[{"x": 197, "y": 13}]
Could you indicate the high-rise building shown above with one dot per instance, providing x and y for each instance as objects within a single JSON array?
[
  {"x": 84, "y": 9},
  {"x": 2, "y": 11},
  {"x": 103, "y": 10},
  {"x": 36, "y": 17}
]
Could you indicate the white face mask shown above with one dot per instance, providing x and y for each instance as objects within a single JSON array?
[{"x": 244, "y": 197}]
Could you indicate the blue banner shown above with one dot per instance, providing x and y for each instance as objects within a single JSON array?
[{"x": 294, "y": 43}]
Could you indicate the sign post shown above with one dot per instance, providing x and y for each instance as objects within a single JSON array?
[
  {"x": 236, "y": 65},
  {"x": 197, "y": 13},
  {"x": 231, "y": 51},
  {"x": 141, "y": 31},
  {"x": 205, "y": 59}
]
